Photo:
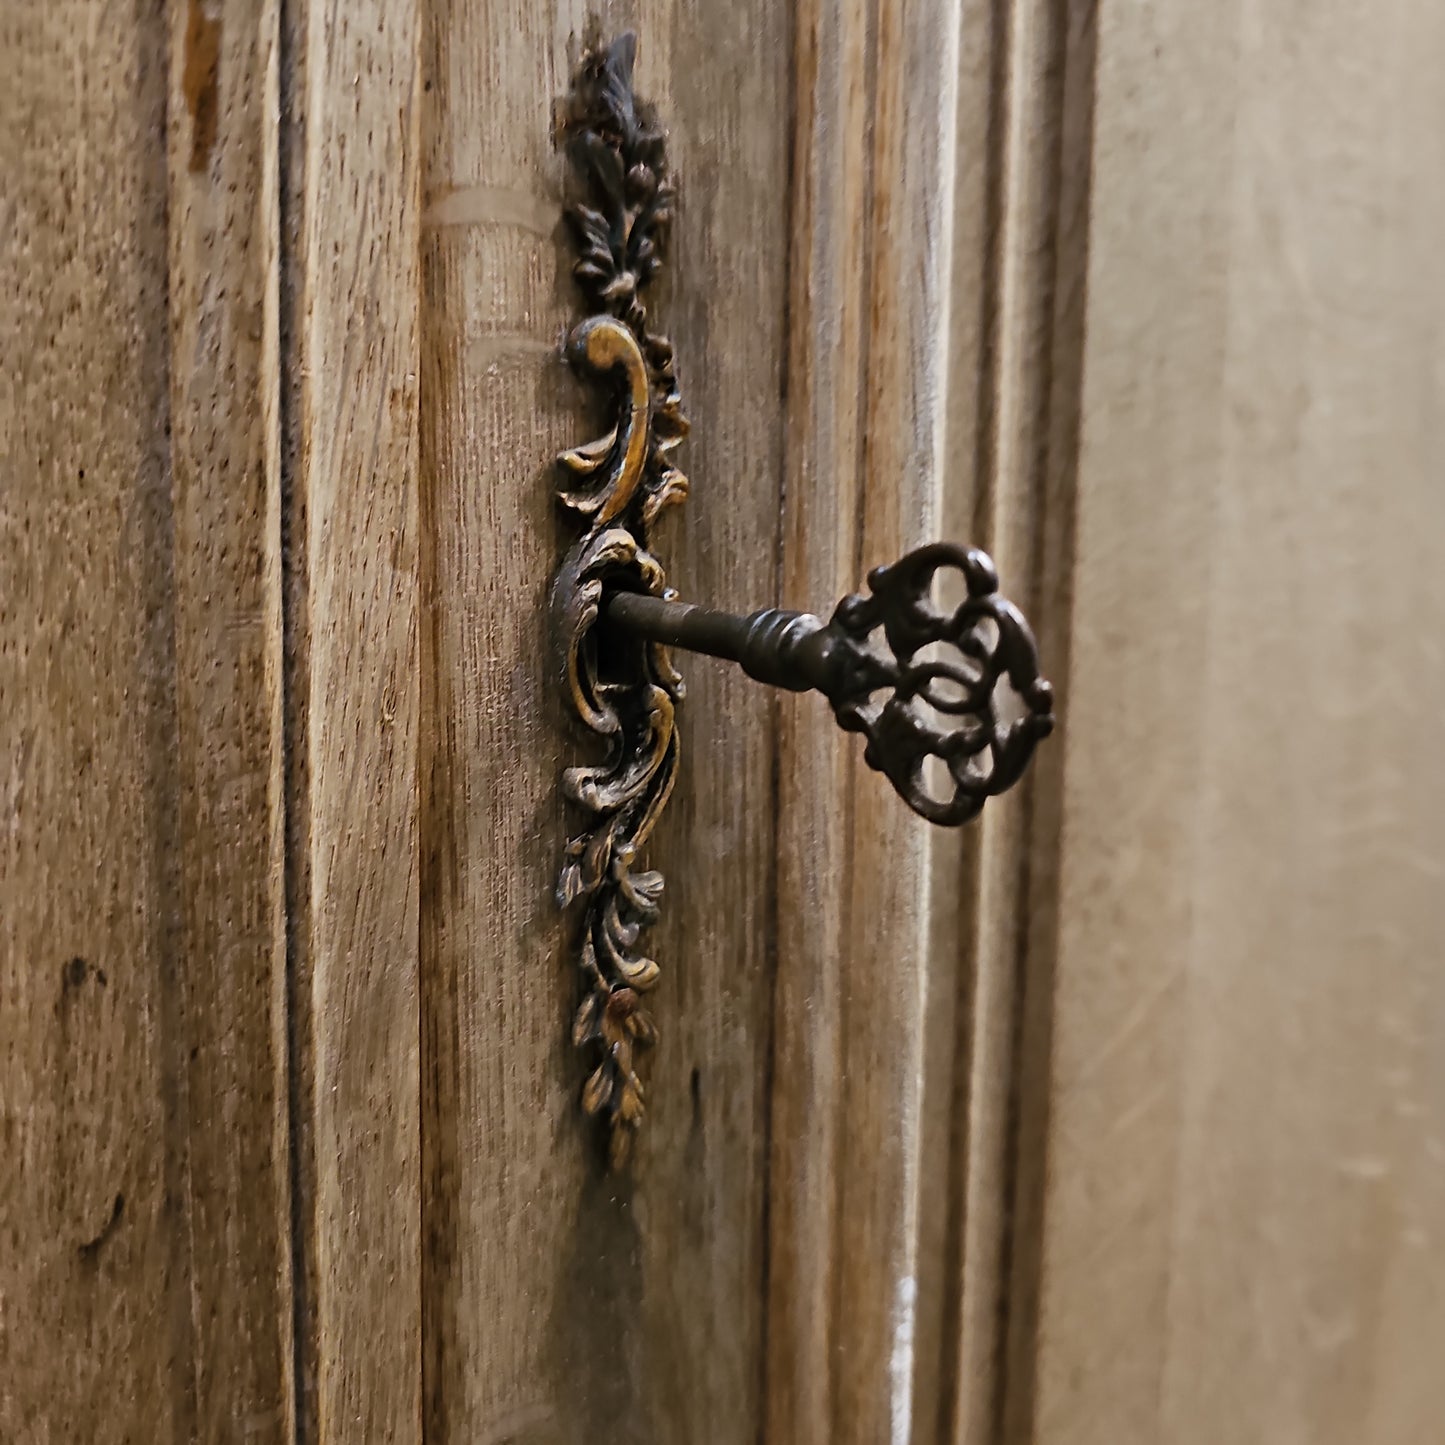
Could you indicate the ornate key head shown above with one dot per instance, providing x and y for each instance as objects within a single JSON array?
[{"x": 922, "y": 680}]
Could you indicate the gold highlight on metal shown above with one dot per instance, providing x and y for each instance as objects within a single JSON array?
[
  {"x": 615, "y": 487},
  {"x": 949, "y": 697}
]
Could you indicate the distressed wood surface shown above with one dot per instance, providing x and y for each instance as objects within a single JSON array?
[
  {"x": 828, "y": 316},
  {"x": 560, "y": 1301},
  {"x": 352, "y": 257},
  {"x": 722, "y": 72},
  {"x": 892, "y": 112},
  {"x": 1118, "y": 1118},
  {"x": 1021, "y": 232},
  {"x": 1240, "y": 1104},
  {"x": 230, "y": 987},
  {"x": 144, "y": 1269}
]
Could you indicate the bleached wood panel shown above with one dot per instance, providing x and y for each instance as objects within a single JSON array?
[{"x": 1242, "y": 1178}]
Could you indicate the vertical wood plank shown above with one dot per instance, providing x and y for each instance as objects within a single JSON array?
[
  {"x": 1242, "y": 1188},
  {"x": 878, "y": 92},
  {"x": 833, "y": 63},
  {"x": 706, "y": 1179},
  {"x": 225, "y": 435},
  {"x": 143, "y": 1277},
  {"x": 1031, "y": 125},
  {"x": 881, "y": 1169},
  {"x": 95, "y": 1261},
  {"x": 1018, "y": 1193},
  {"x": 966, "y": 1019},
  {"x": 560, "y": 1301},
  {"x": 354, "y": 712}
]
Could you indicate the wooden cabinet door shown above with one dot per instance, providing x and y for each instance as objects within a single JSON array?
[
  {"x": 1114, "y": 1117},
  {"x": 1231, "y": 1229}
]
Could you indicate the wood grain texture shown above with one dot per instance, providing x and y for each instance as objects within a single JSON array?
[
  {"x": 226, "y": 513},
  {"x": 881, "y": 1171},
  {"x": 704, "y": 1192},
  {"x": 1243, "y": 1185},
  {"x": 965, "y": 1021},
  {"x": 143, "y": 1275},
  {"x": 877, "y": 92},
  {"x": 561, "y": 1302},
  {"x": 817, "y": 769},
  {"x": 1122, "y": 1118},
  {"x": 1019, "y": 247},
  {"x": 95, "y": 1264},
  {"x": 353, "y": 251}
]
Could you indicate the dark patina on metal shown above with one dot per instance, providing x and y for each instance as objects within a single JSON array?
[
  {"x": 616, "y": 486},
  {"x": 927, "y": 684},
  {"x": 917, "y": 680}
]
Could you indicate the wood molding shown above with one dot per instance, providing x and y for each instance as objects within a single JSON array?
[
  {"x": 955, "y": 287},
  {"x": 351, "y": 198}
]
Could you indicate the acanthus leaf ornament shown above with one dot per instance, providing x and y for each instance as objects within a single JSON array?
[
  {"x": 927, "y": 685},
  {"x": 616, "y": 486}
]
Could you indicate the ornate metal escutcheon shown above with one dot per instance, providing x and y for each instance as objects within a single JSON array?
[{"x": 949, "y": 697}]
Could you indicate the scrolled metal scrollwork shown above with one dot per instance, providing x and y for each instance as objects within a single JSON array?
[
  {"x": 955, "y": 685},
  {"x": 625, "y": 693},
  {"x": 948, "y": 695},
  {"x": 933, "y": 690}
]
